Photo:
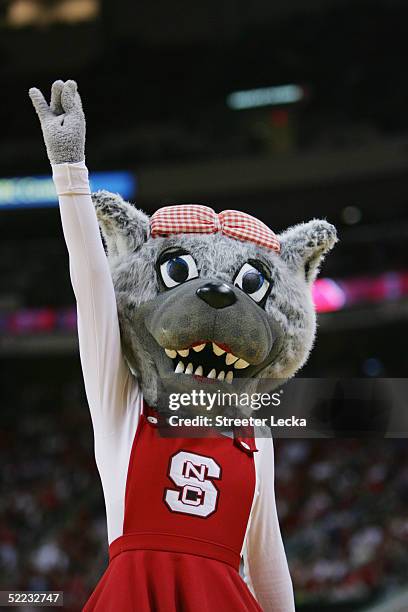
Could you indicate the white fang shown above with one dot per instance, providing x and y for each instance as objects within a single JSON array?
[
  {"x": 230, "y": 359},
  {"x": 217, "y": 349},
  {"x": 229, "y": 377},
  {"x": 241, "y": 364},
  {"x": 189, "y": 369}
]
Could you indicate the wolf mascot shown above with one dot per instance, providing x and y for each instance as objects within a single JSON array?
[{"x": 183, "y": 299}]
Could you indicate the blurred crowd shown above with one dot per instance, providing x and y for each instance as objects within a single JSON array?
[
  {"x": 342, "y": 506},
  {"x": 343, "y": 511},
  {"x": 52, "y": 523}
]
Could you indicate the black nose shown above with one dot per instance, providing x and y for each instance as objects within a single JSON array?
[{"x": 217, "y": 295}]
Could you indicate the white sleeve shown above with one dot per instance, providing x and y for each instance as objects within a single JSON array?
[
  {"x": 113, "y": 394},
  {"x": 264, "y": 555},
  {"x": 110, "y": 387}
]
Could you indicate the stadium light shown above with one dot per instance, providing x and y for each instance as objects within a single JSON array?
[
  {"x": 265, "y": 96},
  {"x": 39, "y": 191}
]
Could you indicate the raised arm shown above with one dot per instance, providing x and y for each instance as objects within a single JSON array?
[
  {"x": 264, "y": 555},
  {"x": 110, "y": 386}
]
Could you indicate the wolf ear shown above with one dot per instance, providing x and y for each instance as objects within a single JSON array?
[
  {"x": 124, "y": 227},
  {"x": 304, "y": 246}
]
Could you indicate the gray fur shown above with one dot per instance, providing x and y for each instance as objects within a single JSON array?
[
  {"x": 304, "y": 246},
  {"x": 62, "y": 123},
  {"x": 124, "y": 228},
  {"x": 275, "y": 340}
]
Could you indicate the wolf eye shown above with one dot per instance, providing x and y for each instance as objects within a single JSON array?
[
  {"x": 177, "y": 270},
  {"x": 252, "y": 281}
]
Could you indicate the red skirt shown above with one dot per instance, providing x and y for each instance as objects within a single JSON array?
[{"x": 155, "y": 581}]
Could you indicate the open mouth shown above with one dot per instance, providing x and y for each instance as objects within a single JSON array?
[{"x": 207, "y": 360}]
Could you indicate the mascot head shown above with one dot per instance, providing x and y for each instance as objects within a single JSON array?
[{"x": 206, "y": 298}]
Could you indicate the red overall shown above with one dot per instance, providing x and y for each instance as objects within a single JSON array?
[{"x": 187, "y": 506}]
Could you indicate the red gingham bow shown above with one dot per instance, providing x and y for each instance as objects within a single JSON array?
[{"x": 197, "y": 219}]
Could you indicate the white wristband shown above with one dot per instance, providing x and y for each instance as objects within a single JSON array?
[{"x": 71, "y": 179}]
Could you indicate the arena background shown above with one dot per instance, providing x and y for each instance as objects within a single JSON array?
[{"x": 156, "y": 79}]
